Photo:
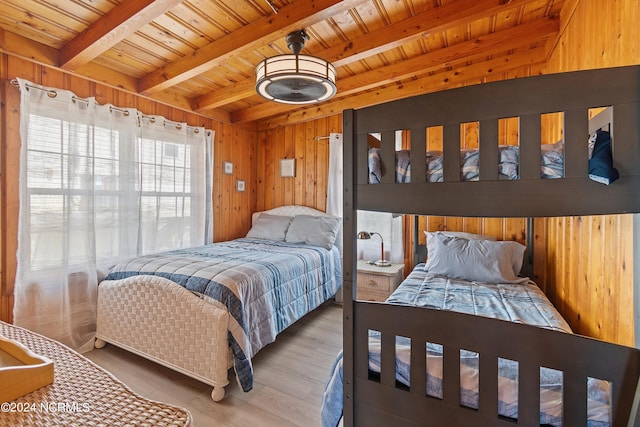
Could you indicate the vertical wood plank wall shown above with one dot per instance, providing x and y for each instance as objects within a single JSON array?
[
  {"x": 308, "y": 143},
  {"x": 231, "y": 209},
  {"x": 589, "y": 260}
]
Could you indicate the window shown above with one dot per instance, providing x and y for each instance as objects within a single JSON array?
[
  {"x": 167, "y": 216},
  {"x": 72, "y": 169},
  {"x": 99, "y": 184},
  {"x": 78, "y": 173}
]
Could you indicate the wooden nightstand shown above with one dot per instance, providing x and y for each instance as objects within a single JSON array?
[{"x": 376, "y": 283}]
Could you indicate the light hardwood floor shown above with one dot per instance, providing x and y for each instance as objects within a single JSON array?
[{"x": 289, "y": 377}]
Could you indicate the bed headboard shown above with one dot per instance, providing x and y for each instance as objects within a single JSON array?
[
  {"x": 289, "y": 210},
  {"x": 527, "y": 98},
  {"x": 293, "y": 210}
]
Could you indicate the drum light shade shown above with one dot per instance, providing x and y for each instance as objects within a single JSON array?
[{"x": 295, "y": 78}]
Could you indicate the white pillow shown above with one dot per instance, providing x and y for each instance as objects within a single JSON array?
[
  {"x": 476, "y": 260},
  {"x": 271, "y": 227},
  {"x": 430, "y": 236},
  {"x": 314, "y": 230}
]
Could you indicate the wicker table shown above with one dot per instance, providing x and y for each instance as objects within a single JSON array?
[{"x": 82, "y": 394}]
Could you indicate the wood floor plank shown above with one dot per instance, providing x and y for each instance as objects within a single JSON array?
[
  {"x": 315, "y": 396},
  {"x": 289, "y": 378},
  {"x": 295, "y": 410},
  {"x": 282, "y": 381}
]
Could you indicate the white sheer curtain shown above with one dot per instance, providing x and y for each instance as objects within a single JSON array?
[
  {"x": 334, "y": 184},
  {"x": 387, "y": 224},
  {"x": 169, "y": 217},
  {"x": 87, "y": 173}
]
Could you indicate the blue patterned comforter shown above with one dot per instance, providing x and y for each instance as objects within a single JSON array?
[
  {"x": 521, "y": 303},
  {"x": 265, "y": 285}
]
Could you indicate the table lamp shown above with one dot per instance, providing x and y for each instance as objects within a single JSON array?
[{"x": 365, "y": 235}]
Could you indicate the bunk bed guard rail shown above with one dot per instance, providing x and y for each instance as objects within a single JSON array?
[{"x": 528, "y": 98}]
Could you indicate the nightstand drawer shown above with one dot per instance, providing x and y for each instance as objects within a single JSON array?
[{"x": 375, "y": 283}]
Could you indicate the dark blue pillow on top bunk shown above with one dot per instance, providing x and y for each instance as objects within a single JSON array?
[{"x": 601, "y": 161}]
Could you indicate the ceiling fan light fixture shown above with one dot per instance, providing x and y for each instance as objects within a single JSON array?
[{"x": 295, "y": 78}]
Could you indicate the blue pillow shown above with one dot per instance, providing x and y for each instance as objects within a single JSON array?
[{"x": 601, "y": 162}]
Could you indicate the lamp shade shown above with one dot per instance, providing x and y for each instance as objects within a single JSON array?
[
  {"x": 366, "y": 235},
  {"x": 295, "y": 79}
]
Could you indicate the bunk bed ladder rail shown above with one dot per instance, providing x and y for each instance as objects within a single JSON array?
[{"x": 382, "y": 402}]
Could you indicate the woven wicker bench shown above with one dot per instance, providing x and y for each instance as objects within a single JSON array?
[{"x": 82, "y": 394}]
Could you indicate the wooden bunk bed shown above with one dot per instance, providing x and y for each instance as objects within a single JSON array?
[{"x": 379, "y": 400}]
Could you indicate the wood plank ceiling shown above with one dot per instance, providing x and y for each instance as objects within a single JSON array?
[{"x": 201, "y": 54}]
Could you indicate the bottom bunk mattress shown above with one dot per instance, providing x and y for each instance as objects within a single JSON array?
[
  {"x": 264, "y": 285},
  {"x": 516, "y": 302}
]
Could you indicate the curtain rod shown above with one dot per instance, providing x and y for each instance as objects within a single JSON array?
[{"x": 51, "y": 93}]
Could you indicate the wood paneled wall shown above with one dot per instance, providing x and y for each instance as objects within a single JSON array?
[
  {"x": 589, "y": 260},
  {"x": 500, "y": 228},
  {"x": 588, "y": 274},
  {"x": 306, "y": 142},
  {"x": 232, "y": 209}
]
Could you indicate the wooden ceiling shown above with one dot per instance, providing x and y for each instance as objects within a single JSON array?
[{"x": 201, "y": 54}]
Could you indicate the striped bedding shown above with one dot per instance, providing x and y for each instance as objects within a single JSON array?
[
  {"x": 551, "y": 164},
  {"x": 265, "y": 285},
  {"x": 521, "y": 303}
]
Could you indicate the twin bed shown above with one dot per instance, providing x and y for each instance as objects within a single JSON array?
[
  {"x": 204, "y": 310},
  {"x": 478, "y": 276},
  {"x": 480, "y": 370}
]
